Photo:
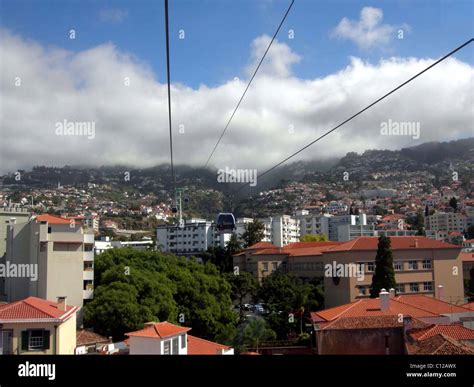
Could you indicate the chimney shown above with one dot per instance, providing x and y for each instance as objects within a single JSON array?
[
  {"x": 384, "y": 300},
  {"x": 440, "y": 292},
  {"x": 62, "y": 303},
  {"x": 392, "y": 293}
]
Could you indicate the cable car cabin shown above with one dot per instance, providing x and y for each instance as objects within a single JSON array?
[{"x": 225, "y": 223}]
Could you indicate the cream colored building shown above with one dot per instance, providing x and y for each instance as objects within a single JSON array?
[
  {"x": 61, "y": 255},
  {"x": 34, "y": 326},
  {"x": 421, "y": 265}
]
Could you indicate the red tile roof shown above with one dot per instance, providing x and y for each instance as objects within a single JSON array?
[
  {"x": 159, "y": 330},
  {"x": 262, "y": 245},
  {"x": 197, "y": 346},
  {"x": 431, "y": 304},
  {"x": 370, "y": 322},
  {"x": 469, "y": 305},
  {"x": 33, "y": 308},
  {"x": 303, "y": 245},
  {"x": 397, "y": 243},
  {"x": 455, "y": 331},
  {"x": 439, "y": 344},
  {"x": 369, "y": 307},
  {"x": 52, "y": 219},
  {"x": 85, "y": 337}
]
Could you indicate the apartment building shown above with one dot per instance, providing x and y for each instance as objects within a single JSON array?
[
  {"x": 60, "y": 252},
  {"x": 9, "y": 215},
  {"x": 421, "y": 265},
  {"x": 335, "y": 227},
  {"x": 196, "y": 236},
  {"x": 279, "y": 230},
  {"x": 446, "y": 221}
]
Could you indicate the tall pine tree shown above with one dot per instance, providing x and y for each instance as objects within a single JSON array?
[{"x": 384, "y": 275}]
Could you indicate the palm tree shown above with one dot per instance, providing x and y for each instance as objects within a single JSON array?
[{"x": 256, "y": 331}]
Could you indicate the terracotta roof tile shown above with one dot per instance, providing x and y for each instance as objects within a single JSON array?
[
  {"x": 159, "y": 330},
  {"x": 370, "y": 307},
  {"x": 439, "y": 345},
  {"x": 397, "y": 243},
  {"x": 52, "y": 219},
  {"x": 85, "y": 337},
  {"x": 454, "y": 331},
  {"x": 430, "y": 304},
  {"x": 33, "y": 308},
  {"x": 198, "y": 346}
]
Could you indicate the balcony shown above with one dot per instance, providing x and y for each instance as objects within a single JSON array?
[
  {"x": 88, "y": 294},
  {"x": 88, "y": 255},
  {"x": 88, "y": 274}
]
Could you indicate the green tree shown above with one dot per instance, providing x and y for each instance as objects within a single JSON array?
[
  {"x": 314, "y": 238},
  {"x": 134, "y": 287},
  {"x": 453, "y": 203},
  {"x": 244, "y": 285},
  {"x": 284, "y": 295},
  {"x": 257, "y": 331},
  {"x": 254, "y": 233},
  {"x": 384, "y": 275}
]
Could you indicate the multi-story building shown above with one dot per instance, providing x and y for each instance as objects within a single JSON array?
[
  {"x": 446, "y": 221},
  {"x": 196, "y": 236},
  {"x": 9, "y": 215},
  {"x": 61, "y": 254},
  {"x": 279, "y": 230},
  {"x": 421, "y": 265},
  {"x": 349, "y": 225},
  {"x": 283, "y": 230}
]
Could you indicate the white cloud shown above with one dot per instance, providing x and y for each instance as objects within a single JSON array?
[
  {"x": 113, "y": 15},
  {"x": 368, "y": 31},
  {"x": 131, "y": 121},
  {"x": 278, "y": 60}
]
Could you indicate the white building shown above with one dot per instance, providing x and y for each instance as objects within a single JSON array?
[
  {"x": 196, "y": 236},
  {"x": 331, "y": 225},
  {"x": 279, "y": 230},
  {"x": 106, "y": 243},
  {"x": 165, "y": 338}
]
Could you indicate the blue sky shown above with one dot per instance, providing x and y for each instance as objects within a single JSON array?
[
  {"x": 219, "y": 32},
  {"x": 344, "y": 55}
]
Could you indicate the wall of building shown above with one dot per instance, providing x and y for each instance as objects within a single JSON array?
[{"x": 360, "y": 341}]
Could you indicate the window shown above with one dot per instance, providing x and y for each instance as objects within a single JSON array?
[
  {"x": 370, "y": 266},
  {"x": 274, "y": 265},
  {"x": 398, "y": 265},
  {"x": 361, "y": 290},
  {"x": 167, "y": 347},
  {"x": 183, "y": 341},
  {"x": 414, "y": 288},
  {"x": 428, "y": 286},
  {"x": 412, "y": 265},
  {"x": 265, "y": 266},
  {"x": 176, "y": 346},
  {"x": 88, "y": 247},
  {"x": 427, "y": 264},
  {"x": 49, "y": 230},
  {"x": 399, "y": 288},
  {"x": 35, "y": 340}
]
